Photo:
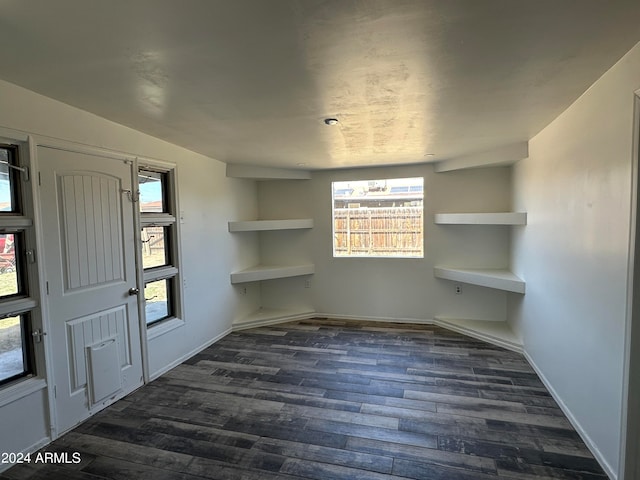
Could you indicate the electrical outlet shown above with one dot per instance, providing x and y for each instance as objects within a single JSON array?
[
  {"x": 458, "y": 290},
  {"x": 244, "y": 290},
  {"x": 307, "y": 284}
]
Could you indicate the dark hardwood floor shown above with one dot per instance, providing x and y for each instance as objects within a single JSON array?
[{"x": 322, "y": 399}]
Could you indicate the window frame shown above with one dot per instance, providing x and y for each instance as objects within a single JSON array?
[
  {"x": 14, "y": 176},
  {"x": 28, "y": 358},
  {"x": 23, "y": 304},
  {"x": 398, "y": 253},
  {"x": 169, "y": 221}
]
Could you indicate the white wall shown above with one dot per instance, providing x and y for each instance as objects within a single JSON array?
[
  {"x": 209, "y": 252},
  {"x": 573, "y": 254},
  {"x": 392, "y": 288}
]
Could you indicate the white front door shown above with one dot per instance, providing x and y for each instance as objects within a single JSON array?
[{"x": 90, "y": 269}]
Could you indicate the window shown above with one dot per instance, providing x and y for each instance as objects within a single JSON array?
[
  {"x": 16, "y": 306},
  {"x": 15, "y": 348},
  {"x": 378, "y": 218},
  {"x": 9, "y": 180},
  {"x": 158, "y": 236}
]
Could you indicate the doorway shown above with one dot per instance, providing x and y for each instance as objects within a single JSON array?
[
  {"x": 91, "y": 289},
  {"x": 630, "y": 428}
]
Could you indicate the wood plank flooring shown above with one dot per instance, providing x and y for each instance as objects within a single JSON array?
[{"x": 320, "y": 399}]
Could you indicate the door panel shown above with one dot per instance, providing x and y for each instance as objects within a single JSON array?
[
  {"x": 89, "y": 212},
  {"x": 90, "y": 267}
]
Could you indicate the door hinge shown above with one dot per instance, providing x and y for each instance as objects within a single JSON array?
[
  {"x": 39, "y": 179},
  {"x": 55, "y": 391},
  {"x": 47, "y": 284}
]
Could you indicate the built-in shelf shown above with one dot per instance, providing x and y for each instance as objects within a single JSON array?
[
  {"x": 269, "y": 272},
  {"x": 254, "y": 172},
  {"x": 501, "y": 218},
  {"x": 501, "y": 156},
  {"x": 497, "y": 333},
  {"x": 268, "y": 316},
  {"x": 263, "y": 225},
  {"x": 491, "y": 278}
]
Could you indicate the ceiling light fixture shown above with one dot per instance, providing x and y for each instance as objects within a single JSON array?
[
  {"x": 429, "y": 154},
  {"x": 331, "y": 121}
]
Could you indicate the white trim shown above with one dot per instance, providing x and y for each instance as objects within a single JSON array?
[
  {"x": 67, "y": 146},
  {"x": 30, "y": 449},
  {"x": 574, "y": 422},
  {"x": 21, "y": 389},
  {"x": 333, "y": 316},
  {"x": 465, "y": 327},
  {"x": 156, "y": 219},
  {"x": 629, "y": 430},
  {"x": 188, "y": 355},
  {"x": 142, "y": 323},
  {"x": 17, "y": 306},
  {"x": 176, "y": 243},
  {"x": 10, "y": 136},
  {"x": 163, "y": 327},
  {"x": 46, "y": 363},
  {"x": 160, "y": 273},
  {"x": 271, "y": 321},
  {"x": 13, "y": 135},
  {"x": 29, "y": 222},
  {"x": 147, "y": 163},
  {"x": 141, "y": 220},
  {"x": 17, "y": 222},
  {"x": 419, "y": 321}
]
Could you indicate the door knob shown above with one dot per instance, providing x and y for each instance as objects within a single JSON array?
[{"x": 134, "y": 291}]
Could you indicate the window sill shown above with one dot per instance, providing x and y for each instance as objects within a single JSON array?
[
  {"x": 159, "y": 273},
  {"x": 164, "y": 327},
  {"x": 15, "y": 306},
  {"x": 22, "y": 388}
]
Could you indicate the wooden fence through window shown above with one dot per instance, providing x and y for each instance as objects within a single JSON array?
[{"x": 378, "y": 231}]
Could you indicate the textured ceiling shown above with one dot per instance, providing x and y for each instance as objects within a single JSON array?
[{"x": 250, "y": 81}]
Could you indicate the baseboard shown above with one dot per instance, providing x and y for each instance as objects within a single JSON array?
[
  {"x": 187, "y": 356},
  {"x": 333, "y": 316},
  {"x": 418, "y": 321},
  {"x": 574, "y": 422},
  {"x": 271, "y": 321},
  {"x": 36, "y": 446},
  {"x": 480, "y": 335}
]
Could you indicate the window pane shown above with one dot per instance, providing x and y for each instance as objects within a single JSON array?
[
  {"x": 9, "y": 281},
  {"x": 152, "y": 194},
  {"x": 155, "y": 249},
  {"x": 13, "y": 357},
  {"x": 7, "y": 180},
  {"x": 157, "y": 300},
  {"x": 378, "y": 218}
]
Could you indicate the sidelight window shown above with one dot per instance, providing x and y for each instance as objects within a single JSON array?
[
  {"x": 16, "y": 340},
  {"x": 158, "y": 236}
]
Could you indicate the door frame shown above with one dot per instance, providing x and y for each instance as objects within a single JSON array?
[
  {"x": 629, "y": 463},
  {"x": 35, "y": 141}
]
